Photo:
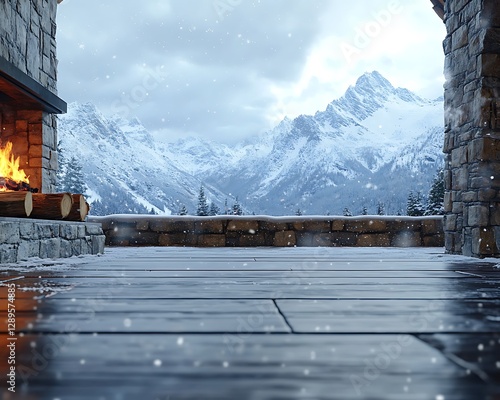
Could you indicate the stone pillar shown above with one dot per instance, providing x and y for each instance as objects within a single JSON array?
[
  {"x": 28, "y": 42},
  {"x": 472, "y": 127}
]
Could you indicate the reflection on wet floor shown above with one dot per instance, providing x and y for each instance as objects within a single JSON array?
[
  {"x": 21, "y": 297},
  {"x": 179, "y": 324}
]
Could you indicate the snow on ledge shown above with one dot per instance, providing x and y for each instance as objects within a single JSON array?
[{"x": 267, "y": 218}]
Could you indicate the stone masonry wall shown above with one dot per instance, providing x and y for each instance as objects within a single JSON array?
[
  {"x": 267, "y": 231},
  {"x": 472, "y": 127},
  {"x": 21, "y": 239},
  {"x": 28, "y": 41},
  {"x": 28, "y": 38}
]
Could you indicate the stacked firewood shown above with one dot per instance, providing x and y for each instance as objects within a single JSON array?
[{"x": 58, "y": 206}]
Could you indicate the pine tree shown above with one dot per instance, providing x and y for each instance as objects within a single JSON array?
[
  {"x": 214, "y": 210},
  {"x": 347, "y": 213},
  {"x": 73, "y": 181},
  {"x": 298, "y": 212},
  {"x": 364, "y": 211},
  {"x": 226, "y": 208},
  {"x": 61, "y": 170},
  {"x": 202, "y": 210},
  {"x": 380, "y": 208},
  {"x": 183, "y": 210},
  {"x": 414, "y": 205},
  {"x": 435, "y": 204},
  {"x": 237, "y": 208}
]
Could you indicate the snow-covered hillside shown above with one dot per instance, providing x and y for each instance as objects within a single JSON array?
[
  {"x": 123, "y": 167},
  {"x": 374, "y": 144}
]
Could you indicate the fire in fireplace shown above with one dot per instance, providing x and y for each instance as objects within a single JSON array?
[{"x": 12, "y": 177}]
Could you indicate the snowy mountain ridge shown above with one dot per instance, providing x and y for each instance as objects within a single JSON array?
[{"x": 318, "y": 163}]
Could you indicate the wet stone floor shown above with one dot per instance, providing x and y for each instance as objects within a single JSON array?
[{"x": 317, "y": 323}]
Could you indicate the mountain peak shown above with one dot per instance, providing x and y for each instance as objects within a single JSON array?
[
  {"x": 373, "y": 80},
  {"x": 371, "y": 92}
]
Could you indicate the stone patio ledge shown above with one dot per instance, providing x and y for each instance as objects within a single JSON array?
[{"x": 256, "y": 231}]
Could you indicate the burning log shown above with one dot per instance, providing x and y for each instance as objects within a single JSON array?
[
  {"x": 16, "y": 204},
  {"x": 80, "y": 208},
  {"x": 7, "y": 184},
  {"x": 52, "y": 206}
]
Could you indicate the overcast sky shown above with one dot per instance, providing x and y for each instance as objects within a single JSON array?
[{"x": 227, "y": 69}]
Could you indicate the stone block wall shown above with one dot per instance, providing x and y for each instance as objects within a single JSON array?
[
  {"x": 21, "y": 239},
  {"x": 472, "y": 127},
  {"x": 226, "y": 231},
  {"x": 28, "y": 42},
  {"x": 28, "y": 38}
]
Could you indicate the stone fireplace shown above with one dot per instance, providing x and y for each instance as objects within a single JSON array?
[
  {"x": 28, "y": 87},
  {"x": 28, "y": 108}
]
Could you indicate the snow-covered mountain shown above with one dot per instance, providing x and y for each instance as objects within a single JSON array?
[
  {"x": 125, "y": 170},
  {"x": 374, "y": 144}
]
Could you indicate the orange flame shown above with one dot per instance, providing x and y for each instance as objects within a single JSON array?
[{"x": 9, "y": 166}]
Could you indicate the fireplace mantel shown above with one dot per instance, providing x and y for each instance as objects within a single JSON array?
[{"x": 17, "y": 88}]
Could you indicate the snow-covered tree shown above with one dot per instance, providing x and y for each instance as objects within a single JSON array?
[
  {"x": 214, "y": 210},
  {"x": 237, "y": 208},
  {"x": 69, "y": 174},
  {"x": 435, "y": 204},
  {"x": 380, "y": 208},
  {"x": 347, "y": 213},
  {"x": 73, "y": 181},
  {"x": 414, "y": 205},
  {"x": 298, "y": 212},
  {"x": 117, "y": 205},
  {"x": 227, "y": 211},
  {"x": 364, "y": 211},
  {"x": 202, "y": 210},
  {"x": 183, "y": 210},
  {"x": 61, "y": 171}
]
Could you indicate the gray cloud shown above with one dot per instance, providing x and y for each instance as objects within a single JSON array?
[{"x": 227, "y": 69}]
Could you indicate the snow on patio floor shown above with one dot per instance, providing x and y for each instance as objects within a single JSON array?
[{"x": 259, "y": 323}]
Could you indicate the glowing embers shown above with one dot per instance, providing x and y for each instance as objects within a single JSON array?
[{"x": 12, "y": 177}]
